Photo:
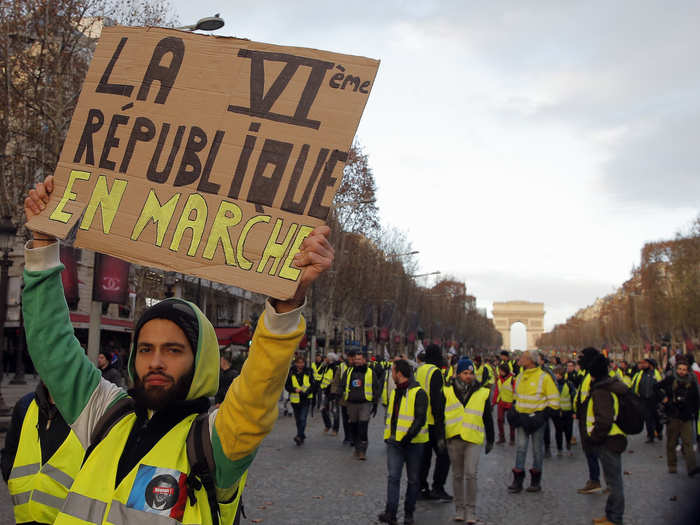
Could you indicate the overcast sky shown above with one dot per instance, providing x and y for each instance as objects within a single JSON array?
[{"x": 527, "y": 148}]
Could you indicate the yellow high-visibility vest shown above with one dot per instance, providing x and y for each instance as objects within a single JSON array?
[
  {"x": 326, "y": 377},
  {"x": 565, "y": 399},
  {"x": 466, "y": 421},
  {"x": 534, "y": 391},
  {"x": 590, "y": 418},
  {"x": 38, "y": 491},
  {"x": 369, "y": 394},
  {"x": 294, "y": 397},
  {"x": 505, "y": 390},
  {"x": 317, "y": 371},
  {"x": 385, "y": 390},
  {"x": 424, "y": 375},
  {"x": 406, "y": 416},
  {"x": 154, "y": 491}
]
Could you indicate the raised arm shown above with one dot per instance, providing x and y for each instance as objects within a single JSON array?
[
  {"x": 75, "y": 383},
  {"x": 249, "y": 410}
]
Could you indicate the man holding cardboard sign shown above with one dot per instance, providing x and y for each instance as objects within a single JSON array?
[
  {"x": 217, "y": 157},
  {"x": 136, "y": 441}
]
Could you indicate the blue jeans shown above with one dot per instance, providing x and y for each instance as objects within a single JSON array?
[
  {"x": 396, "y": 456},
  {"x": 593, "y": 466},
  {"x": 522, "y": 441},
  {"x": 612, "y": 470},
  {"x": 301, "y": 411}
]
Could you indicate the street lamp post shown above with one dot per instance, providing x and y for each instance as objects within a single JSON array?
[
  {"x": 7, "y": 236},
  {"x": 209, "y": 23}
]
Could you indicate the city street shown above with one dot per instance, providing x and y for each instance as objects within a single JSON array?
[{"x": 320, "y": 483}]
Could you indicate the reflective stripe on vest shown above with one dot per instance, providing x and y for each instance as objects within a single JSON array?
[
  {"x": 326, "y": 378},
  {"x": 424, "y": 375},
  {"x": 94, "y": 499},
  {"x": 528, "y": 403},
  {"x": 505, "y": 390},
  {"x": 38, "y": 491},
  {"x": 294, "y": 396},
  {"x": 466, "y": 421},
  {"x": 583, "y": 391},
  {"x": 316, "y": 370},
  {"x": 369, "y": 394},
  {"x": 405, "y": 417},
  {"x": 590, "y": 418},
  {"x": 565, "y": 399}
]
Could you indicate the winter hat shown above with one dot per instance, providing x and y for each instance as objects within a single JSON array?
[
  {"x": 332, "y": 357},
  {"x": 587, "y": 356},
  {"x": 176, "y": 311},
  {"x": 433, "y": 354},
  {"x": 598, "y": 367},
  {"x": 464, "y": 364}
]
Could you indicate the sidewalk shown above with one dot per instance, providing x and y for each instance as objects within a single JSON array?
[{"x": 12, "y": 393}]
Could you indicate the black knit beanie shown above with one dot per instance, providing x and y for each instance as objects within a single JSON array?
[
  {"x": 433, "y": 355},
  {"x": 177, "y": 311},
  {"x": 587, "y": 356},
  {"x": 598, "y": 367}
]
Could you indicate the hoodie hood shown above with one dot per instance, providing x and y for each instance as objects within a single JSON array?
[
  {"x": 611, "y": 384},
  {"x": 205, "y": 381}
]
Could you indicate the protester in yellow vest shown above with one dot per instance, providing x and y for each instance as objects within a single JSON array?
[
  {"x": 41, "y": 458},
  {"x": 429, "y": 377},
  {"x": 536, "y": 395},
  {"x": 503, "y": 396},
  {"x": 600, "y": 433},
  {"x": 330, "y": 410},
  {"x": 301, "y": 386},
  {"x": 405, "y": 435},
  {"x": 361, "y": 396},
  {"x": 627, "y": 373},
  {"x": 468, "y": 424},
  {"x": 483, "y": 372},
  {"x": 139, "y": 470},
  {"x": 644, "y": 384},
  {"x": 564, "y": 417}
]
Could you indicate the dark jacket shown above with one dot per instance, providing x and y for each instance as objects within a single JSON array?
[
  {"x": 437, "y": 399},
  {"x": 357, "y": 382},
  {"x": 226, "y": 377},
  {"x": 420, "y": 412},
  {"x": 604, "y": 414},
  {"x": 52, "y": 428},
  {"x": 111, "y": 373},
  {"x": 682, "y": 397},
  {"x": 300, "y": 379}
]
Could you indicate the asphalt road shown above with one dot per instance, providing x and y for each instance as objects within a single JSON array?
[{"x": 320, "y": 483}]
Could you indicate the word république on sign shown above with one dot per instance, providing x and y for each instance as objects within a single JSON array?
[{"x": 210, "y": 156}]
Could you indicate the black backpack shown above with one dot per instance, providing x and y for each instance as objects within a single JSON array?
[{"x": 630, "y": 416}]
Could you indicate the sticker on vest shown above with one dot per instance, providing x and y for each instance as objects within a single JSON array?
[
  {"x": 160, "y": 491},
  {"x": 356, "y": 383}
]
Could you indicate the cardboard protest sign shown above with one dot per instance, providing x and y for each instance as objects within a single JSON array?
[{"x": 206, "y": 155}]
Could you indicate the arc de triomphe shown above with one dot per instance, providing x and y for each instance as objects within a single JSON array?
[{"x": 530, "y": 314}]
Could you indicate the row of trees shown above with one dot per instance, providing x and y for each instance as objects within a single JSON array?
[
  {"x": 659, "y": 306},
  {"x": 45, "y": 51}
]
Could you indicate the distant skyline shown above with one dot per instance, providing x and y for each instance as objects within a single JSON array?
[{"x": 530, "y": 151}]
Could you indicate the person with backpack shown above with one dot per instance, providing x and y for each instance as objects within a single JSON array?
[
  {"x": 174, "y": 363},
  {"x": 679, "y": 393},
  {"x": 600, "y": 431},
  {"x": 40, "y": 459}
]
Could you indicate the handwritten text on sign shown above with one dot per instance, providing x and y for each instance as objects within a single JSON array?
[{"x": 211, "y": 156}]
